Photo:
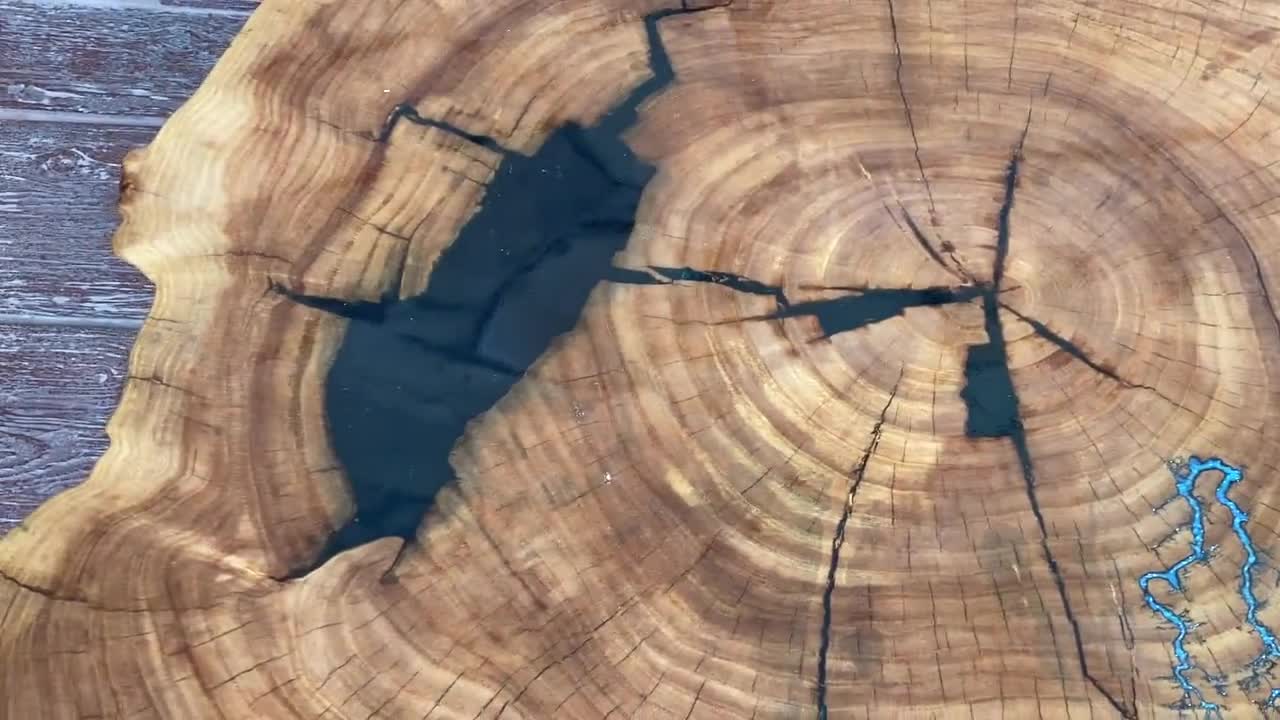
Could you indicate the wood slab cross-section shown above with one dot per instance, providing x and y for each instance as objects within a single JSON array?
[{"x": 822, "y": 359}]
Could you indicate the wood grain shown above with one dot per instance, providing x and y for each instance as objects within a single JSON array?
[
  {"x": 700, "y": 503},
  {"x": 59, "y": 387},
  {"x": 57, "y": 214},
  {"x": 106, "y": 60}
]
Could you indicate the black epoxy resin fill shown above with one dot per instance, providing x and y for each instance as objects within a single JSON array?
[
  {"x": 411, "y": 374},
  {"x": 872, "y": 305}
]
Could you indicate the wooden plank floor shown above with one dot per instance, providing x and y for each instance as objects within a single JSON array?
[{"x": 80, "y": 84}]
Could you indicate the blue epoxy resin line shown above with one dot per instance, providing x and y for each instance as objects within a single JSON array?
[
  {"x": 1270, "y": 652},
  {"x": 1192, "y": 698}
]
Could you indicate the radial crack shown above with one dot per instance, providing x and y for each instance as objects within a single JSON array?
[
  {"x": 1019, "y": 439},
  {"x": 1006, "y": 208},
  {"x": 994, "y": 410},
  {"x": 862, "y": 306},
  {"x": 906, "y": 105},
  {"x": 959, "y": 270},
  {"x": 1075, "y": 351},
  {"x": 923, "y": 241},
  {"x": 738, "y": 283},
  {"x": 868, "y": 306},
  {"x": 837, "y": 542}
]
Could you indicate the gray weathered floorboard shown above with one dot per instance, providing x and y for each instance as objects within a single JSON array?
[
  {"x": 58, "y": 386},
  {"x": 106, "y": 60},
  {"x": 80, "y": 84},
  {"x": 58, "y": 190},
  {"x": 245, "y": 5}
]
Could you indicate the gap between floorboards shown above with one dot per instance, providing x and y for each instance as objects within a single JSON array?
[{"x": 81, "y": 322}]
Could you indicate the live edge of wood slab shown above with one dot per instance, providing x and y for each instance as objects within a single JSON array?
[{"x": 682, "y": 511}]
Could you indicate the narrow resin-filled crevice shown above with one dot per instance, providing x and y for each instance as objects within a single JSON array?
[
  {"x": 837, "y": 544},
  {"x": 412, "y": 373},
  {"x": 867, "y": 306},
  {"x": 856, "y": 308},
  {"x": 738, "y": 283},
  {"x": 994, "y": 410},
  {"x": 1044, "y": 332}
]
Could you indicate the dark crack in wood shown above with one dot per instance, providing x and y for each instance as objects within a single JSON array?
[
  {"x": 1044, "y": 332},
  {"x": 995, "y": 411},
  {"x": 957, "y": 268},
  {"x": 906, "y": 106},
  {"x": 837, "y": 543}
]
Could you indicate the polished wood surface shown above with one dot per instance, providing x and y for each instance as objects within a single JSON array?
[{"x": 684, "y": 510}]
